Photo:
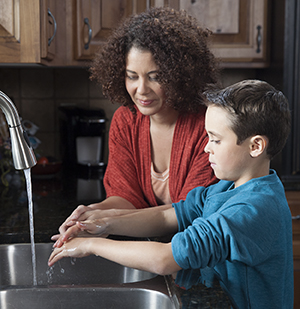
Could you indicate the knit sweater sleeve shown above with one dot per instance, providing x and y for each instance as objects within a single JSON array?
[
  {"x": 124, "y": 174},
  {"x": 190, "y": 166}
]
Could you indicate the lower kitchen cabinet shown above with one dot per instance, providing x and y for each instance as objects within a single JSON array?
[{"x": 293, "y": 198}]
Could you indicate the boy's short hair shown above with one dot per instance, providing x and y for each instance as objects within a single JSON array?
[{"x": 255, "y": 108}]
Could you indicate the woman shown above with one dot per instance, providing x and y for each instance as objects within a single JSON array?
[{"x": 156, "y": 65}]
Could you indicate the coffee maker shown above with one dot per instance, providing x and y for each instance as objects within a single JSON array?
[{"x": 82, "y": 137}]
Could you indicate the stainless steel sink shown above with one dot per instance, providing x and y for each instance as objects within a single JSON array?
[
  {"x": 90, "y": 282},
  {"x": 16, "y": 269},
  {"x": 49, "y": 298}
]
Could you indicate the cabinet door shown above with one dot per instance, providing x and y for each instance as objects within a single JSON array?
[
  {"x": 48, "y": 29},
  {"x": 19, "y": 31},
  {"x": 239, "y": 28},
  {"x": 94, "y": 21}
]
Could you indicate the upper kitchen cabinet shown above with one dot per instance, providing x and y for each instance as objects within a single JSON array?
[
  {"x": 240, "y": 28},
  {"x": 95, "y": 20},
  {"x": 26, "y": 31},
  {"x": 69, "y": 32}
]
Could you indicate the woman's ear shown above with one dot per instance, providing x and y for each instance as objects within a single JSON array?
[{"x": 258, "y": 144}]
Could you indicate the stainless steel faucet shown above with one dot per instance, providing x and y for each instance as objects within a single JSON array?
[{"x": 22, "y": 152}]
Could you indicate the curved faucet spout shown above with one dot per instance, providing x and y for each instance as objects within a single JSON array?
[{"x": 22, "y": 152}]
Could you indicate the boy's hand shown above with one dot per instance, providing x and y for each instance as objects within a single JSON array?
[{"x": 77, "y": 247}]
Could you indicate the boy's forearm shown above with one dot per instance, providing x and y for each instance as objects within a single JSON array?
[
  {"x": 144, "y": 255},
  {"x": 149, "y": 222}
]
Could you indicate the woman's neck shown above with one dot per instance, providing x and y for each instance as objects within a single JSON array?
[{"x": 164, "y": 119}]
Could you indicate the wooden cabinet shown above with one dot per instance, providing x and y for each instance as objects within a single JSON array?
[
  {"x": 48, "y": 26},
  {"x": 240, "y": 28},
  {"x": 24, "y": 31},
  {"x": 95, "y": 20},
  {"x": 81, "y": 26},
  {"x": 293, "y": 198}
]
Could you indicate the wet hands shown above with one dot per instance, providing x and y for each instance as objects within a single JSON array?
[
  {"x": 77, "y": 247},
  {"x": 79, "y": 214},
  {"x": 97, "y": 227}
]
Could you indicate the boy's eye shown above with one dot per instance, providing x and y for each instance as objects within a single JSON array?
[{"x": 215, "y": 141}]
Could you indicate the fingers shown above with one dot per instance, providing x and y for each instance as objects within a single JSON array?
[
  {"x": 75, "y": 216},
  {"x": 55, "y": 256},
  {"x": 55, "y": 237},
  {"x": 77, "y": 247},
  {"x": 70, "y": 233},
  {"x": 95, "y": 227}
]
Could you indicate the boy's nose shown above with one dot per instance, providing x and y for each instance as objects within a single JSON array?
[{"x": 206, "y": 148}]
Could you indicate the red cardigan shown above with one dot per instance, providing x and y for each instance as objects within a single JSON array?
[{"x": 128, "y": 173}]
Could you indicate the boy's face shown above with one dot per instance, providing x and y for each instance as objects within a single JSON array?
[{"x": 228, "y": 160}]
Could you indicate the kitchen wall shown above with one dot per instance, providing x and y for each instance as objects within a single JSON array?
[{"x": 38, "y": 91}]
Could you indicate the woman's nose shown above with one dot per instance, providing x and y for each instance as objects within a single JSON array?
[{"x": 142, "y": 86}]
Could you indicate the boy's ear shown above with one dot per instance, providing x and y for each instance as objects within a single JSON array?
[{"x": 258, "y": 144}]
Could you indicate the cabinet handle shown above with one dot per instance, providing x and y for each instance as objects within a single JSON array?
[
  {"x": 86, "y": 22},
  {"x": 55, "y": 27},
  {"x": 258, "y": 39}
]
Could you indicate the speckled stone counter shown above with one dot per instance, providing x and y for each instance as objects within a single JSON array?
[{"x": 55, "y": 198}]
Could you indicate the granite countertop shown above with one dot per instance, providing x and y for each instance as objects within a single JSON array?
[{"x": 55, "y": 198}]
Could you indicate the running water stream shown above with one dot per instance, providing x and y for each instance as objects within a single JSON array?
[{"x": 27, "y": 173}]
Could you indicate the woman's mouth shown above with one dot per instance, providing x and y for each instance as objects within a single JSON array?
[{"x": 145, "y": 102}]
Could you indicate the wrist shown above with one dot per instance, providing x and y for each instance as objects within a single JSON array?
[{"x": 89, "y": 245}]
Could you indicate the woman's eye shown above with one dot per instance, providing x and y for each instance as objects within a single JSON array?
[
  {"x": 131, "y": 77},
  {"x": 153, "y": 78}
]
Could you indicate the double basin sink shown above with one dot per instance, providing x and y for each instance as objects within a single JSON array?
[{"x": 90, "y": 282}]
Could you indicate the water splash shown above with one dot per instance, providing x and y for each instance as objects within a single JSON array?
[
  {"x": 50, "y": 273},
  {"x": 30, "y": 210}
]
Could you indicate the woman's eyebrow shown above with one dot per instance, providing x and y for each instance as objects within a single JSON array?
[
  {"x": 133, "y": 72},
  {"x": 130, "y": 71}
]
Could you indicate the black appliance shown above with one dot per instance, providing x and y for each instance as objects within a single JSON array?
[{"x": 82, "y": 138}]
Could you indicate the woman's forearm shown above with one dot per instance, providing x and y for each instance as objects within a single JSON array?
[
  {"x": 113, "y": 202},
  {"x": 157, "y": 221}
]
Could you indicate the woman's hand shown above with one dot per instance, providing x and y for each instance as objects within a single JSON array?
[
  {"x": 77, "y": 247},
  {"x": 77, "y": 214},
  {"x": 87, "y": 228},
  {"x": 112, "y": 206}
]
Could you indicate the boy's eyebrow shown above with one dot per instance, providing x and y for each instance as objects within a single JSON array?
[{"x": 213, "y": 133}]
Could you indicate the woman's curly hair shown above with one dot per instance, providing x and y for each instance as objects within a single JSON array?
[{"x": 179, "y": 47}]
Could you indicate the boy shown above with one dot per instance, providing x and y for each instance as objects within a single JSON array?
[{"x": 240, "y": 226}]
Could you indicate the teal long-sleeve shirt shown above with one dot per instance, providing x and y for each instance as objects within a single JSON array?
[{"x": 245, "y": 234}]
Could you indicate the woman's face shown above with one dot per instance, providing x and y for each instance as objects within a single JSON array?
[{"x": 141, "y": 83}]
